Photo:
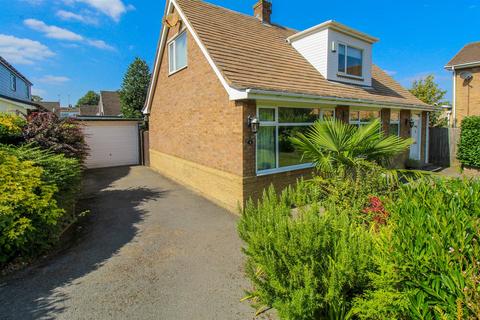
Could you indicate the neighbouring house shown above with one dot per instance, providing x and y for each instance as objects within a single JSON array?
[
  {"x": 15, "y": 90},
  {"x": 218, "y": 72},
  {"x": 69, "y": 112},
  {"x": 465, "y": 67},
  {"x": 109, "y": 104},
  {"x": 52, "y": 106},
  {"x": 89, "y": 110}
]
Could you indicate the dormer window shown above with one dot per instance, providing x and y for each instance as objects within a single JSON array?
[{"x": 350, "y": 60}]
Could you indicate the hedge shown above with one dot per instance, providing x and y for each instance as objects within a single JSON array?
[{"x": 469, "y": 146}]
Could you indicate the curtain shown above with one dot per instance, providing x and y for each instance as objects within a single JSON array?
[{"x": 266, "y": 144}]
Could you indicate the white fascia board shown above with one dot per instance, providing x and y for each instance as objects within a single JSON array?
[
  {"x": 234, "y": 94},
  {"x": 463, "y": 65},
  {"x": 331, "y": 24},
  {"x": 306, "y": 98}
]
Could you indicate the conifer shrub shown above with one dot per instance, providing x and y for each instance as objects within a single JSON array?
[{"x": 469, "y": 146}]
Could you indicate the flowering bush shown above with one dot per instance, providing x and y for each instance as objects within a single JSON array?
[
  {"x": 62, "y": 136},
  {"x": 11, "y": 128}
]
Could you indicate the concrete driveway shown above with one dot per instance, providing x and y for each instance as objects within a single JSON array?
[{"x": 150, "y": 250}]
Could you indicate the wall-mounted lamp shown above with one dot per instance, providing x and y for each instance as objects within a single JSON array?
[
  {"x": 409, "y": 122},
  {"x": 253, "y": 124},
  {"x": 334, "y": 46}
]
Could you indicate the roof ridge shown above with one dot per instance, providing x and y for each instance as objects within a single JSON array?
[{"x": 242, "y": 14}]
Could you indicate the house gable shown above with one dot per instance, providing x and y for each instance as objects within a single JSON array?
[{"x": 172, "y": 7}]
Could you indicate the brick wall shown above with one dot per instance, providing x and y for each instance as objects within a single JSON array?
[
  {"x": 467, "y": 95},
  {"x": 192, "y": 117}
]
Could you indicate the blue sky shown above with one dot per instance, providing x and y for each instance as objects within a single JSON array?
[{"x": 67, "y": 47}]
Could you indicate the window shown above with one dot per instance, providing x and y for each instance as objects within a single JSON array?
[
  {"x": 394, "y": 126},
  {"x": 177, "y": 53},
  {"x": 350, "y": 60},
  {"x": 275, "y": 151},
  {"x": 361, "y": 118},
  {"x": 13, "y": 82}
]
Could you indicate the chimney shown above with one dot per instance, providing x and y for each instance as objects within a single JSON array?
[{"x": 262, "y": 10}]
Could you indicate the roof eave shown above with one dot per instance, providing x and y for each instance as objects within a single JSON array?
[
  {"x": 309, "y": 98},
  {"x": 462, "y": 65}
]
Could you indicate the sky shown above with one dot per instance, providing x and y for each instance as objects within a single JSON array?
[{"x": 67, "y": 47}]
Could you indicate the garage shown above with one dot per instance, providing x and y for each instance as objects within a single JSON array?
[{"x": 112, "y": 141}]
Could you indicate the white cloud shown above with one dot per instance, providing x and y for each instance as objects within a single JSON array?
[
  {"x": 71, "y": 16},
  {"x": 391, "y": 72},
  {"x": 49, "y": 79},
  {"x": 55, "y": 32},
  {"x": 112, "y": 8},
  {"x": 23, "y": 51},
  {"x": 100, "y": 44},
  {"x": 38, "y": 91}
]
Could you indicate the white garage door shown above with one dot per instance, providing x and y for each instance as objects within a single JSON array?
[{"x": 112, "y": 143}]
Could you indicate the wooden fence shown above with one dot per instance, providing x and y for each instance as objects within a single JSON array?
[{"x": 443, "y": 144}]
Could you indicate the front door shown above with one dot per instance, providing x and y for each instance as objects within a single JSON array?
[{"x": 416, "y": 136}]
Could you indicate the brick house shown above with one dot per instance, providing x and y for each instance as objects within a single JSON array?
[
  {"x": 465, "y": 67},
  {"x": 217, "y": 69}
]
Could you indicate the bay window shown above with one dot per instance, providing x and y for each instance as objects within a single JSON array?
[
  {"x": 275, "y": 152},
  {"x": 350, "y": 60},
  {"x": 177, "y": 53}
]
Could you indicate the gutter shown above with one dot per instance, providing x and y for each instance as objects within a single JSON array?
[
  {"x": 463, "y": 65},
  {"x": 308, "y": 98}
]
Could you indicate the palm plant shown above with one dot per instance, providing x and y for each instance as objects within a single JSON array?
[{"x": 339, "y": 148}]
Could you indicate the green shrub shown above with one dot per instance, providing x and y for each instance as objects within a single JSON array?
[
  {"x": 469, "y": 146},
  {"x": 11, "y": 128},
  {"x": 28, "y": 212},
  {"x": 427, "y": 260},
  {"x": 309, "y": 262},
  {"x": 63, "y": 172}
]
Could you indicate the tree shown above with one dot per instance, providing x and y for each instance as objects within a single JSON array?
[
  {"x": 91, "y": 98},
  {"x": 338, "y": 148},
  {"x": 37, "y": 98},
  {"x": 134, "y": 88},
  {"x": 428, "y": 91}
]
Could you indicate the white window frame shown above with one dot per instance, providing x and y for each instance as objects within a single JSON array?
[
  {"x": 172, "y": 43},
  {"x": 358, "y": 122},
  {"x": 397, "y": 122},
  {"x": 278, "y": 124},
  {"x": 13, "y": 82},
  {"x": 346, "y": 74}
]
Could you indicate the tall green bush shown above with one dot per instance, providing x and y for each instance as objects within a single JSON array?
[
  {"x": 427, "y": 260},
  {"x": 28, "y": 212},
  {"x": 469, "y": 146}
]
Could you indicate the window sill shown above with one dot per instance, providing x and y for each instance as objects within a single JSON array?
[
  {"x": 344, "y": 75},
  {"x": 176, "y": 71},
  {"x": 285, "y": 169}
]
